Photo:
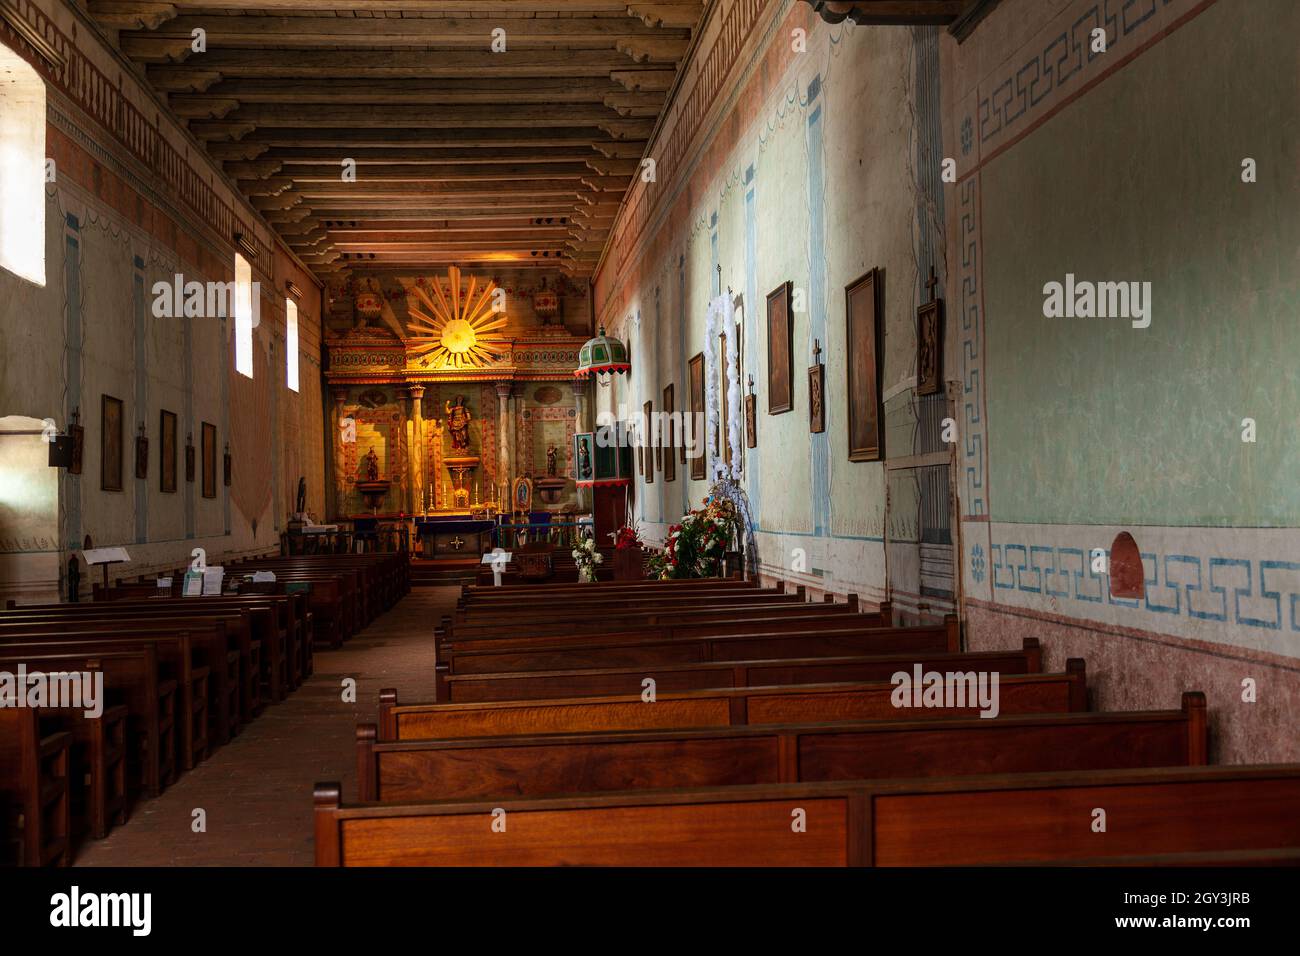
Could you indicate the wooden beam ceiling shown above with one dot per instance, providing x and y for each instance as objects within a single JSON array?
[{"x": 386, "y": 135}]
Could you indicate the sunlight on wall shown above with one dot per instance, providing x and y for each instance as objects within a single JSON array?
[
  {"x": 291, "y": 342},
  {"x": 243, "y": 316},
  {"x": 22, "y": 168}
]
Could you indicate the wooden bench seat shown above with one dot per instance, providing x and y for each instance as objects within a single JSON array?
[
  {"x": 544, "y": 763},
  {"x": 688, "y": 644},
  {"x": 35, "y": 801},
  {"x": 977, "y": 820},
  {"x": 98, "y": 791},
  {"x": 847, "y": 700},
  {"x": 736, "y": 616},
  {"x": 131, "y": 680},
  {"x": 612, "y": 681},
  {"x": 182, "y": 656},
  {"x": 228, "y": 652}
]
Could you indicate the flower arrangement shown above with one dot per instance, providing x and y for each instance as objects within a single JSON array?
[
  {"x": 696, "y": 546},
  {"x": 586, "y": 557},
  {"x": 626, "y": 538},
  {"x": 657, "y": 565}
]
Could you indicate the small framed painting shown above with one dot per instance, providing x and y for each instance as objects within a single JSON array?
[
  {"x": 864, "y": 305},
  {"x": 208, "y": 454},
  {"x": 751, "y": 421},
  {"x": 110, "y": 443},
  {"x": 166, "y": 451},
  {"x": 780, "y": 337},
  {"x": 696, "y": 376},
  {"x": 670, "y": 437},
  {"x": 816, "y": 396}
]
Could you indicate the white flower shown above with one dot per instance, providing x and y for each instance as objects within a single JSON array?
[
  {"x": 574, "y": 555},
  {"x": 598, "y": 558}
]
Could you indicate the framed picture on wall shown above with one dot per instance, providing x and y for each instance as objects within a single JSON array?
[
  {"x": 141, "y": 454},
  {"x": 648, "y": 440},
  {"x": 780, "y": 364},
  {"x": 696, "y": 385},
  {"x": 110, "y": 443},
  {"x": 208, "y": 458},
  {"x": 864, "y": 306},
  {"x": 669, "y": 438},
  {"x": 929, "y": 347},
  {"x": 816, "y": 396},
  {"x": 78, "y": 434},
  {"x": 189, "y": 459},
  {"x": 166, "y": 451}
]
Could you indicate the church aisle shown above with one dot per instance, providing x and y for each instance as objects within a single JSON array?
[{"x": 257, "y": 790}]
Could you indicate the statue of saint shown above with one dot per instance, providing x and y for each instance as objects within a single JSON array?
[
  {"x": 584, "y": 460},
  {"x": 458, "y": 419},
  {"x": 372, "y": 466},
  {"x": 552, "y": 465},
  {"x": 302, "y": 496}
]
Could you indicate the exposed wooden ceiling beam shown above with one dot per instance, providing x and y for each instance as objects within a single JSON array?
[
  {"x": 385, "y": 116},
  {"x": 521, "y": 32},
  {"x": 891, "y": 12},
  {"x": 486, "y": 90},
  {"x": 306, "y": 64}
]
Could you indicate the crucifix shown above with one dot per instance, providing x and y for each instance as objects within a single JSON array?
[
  {"x": 457, "y": 542},
  {"x": 931, "y": 283}
]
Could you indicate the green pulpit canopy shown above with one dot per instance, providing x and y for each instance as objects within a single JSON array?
[{"x": 602, "y": 355}]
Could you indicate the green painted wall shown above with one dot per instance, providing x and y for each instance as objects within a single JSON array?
[{"x": 1095, "y": 422}]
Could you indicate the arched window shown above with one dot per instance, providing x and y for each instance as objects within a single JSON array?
[{"x": 22, "y": 168}]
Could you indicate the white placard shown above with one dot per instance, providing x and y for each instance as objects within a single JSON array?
[
  {"x": 498, "y": 559},
  {"x": 262, "y": 577},
  {"x": 164, "y": 584},
  {"x": 106, "y": 556},
  {"x": 212, "y": 578},
  {"x": 193, "y": 584}
]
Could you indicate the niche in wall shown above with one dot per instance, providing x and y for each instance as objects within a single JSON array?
[{"x": 1127, "y": 579}]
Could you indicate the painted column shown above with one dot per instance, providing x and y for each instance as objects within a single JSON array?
[
  {"x": 580, "y": 404},
  {"x": 340, "y": 476},
  {"x": 415, "y": 456},
  {"x": 504, "y": 436}
]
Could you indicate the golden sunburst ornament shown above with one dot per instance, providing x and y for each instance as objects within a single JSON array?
[{"x": 456, "y": 333}]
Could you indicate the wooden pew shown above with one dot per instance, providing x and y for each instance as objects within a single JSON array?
[
  {"x": 98, "y": 767},
  {"x": 540, "y": 764},
  {"x": 978, "y": 820},
  {"x": 737, "y": 617},
  {"x": 612, "y": 681},
  {"x": 475, "y": 593},
  {"x": 34, "y": 789},
  {"x": 281, "y": 622},
  {"x": 673, "y": 645},
  {"x": 251, "y": 627},
  {"x": 131, "y": 677},
  {"x": 848, "y": 700},
  {"x": 181, "y": 655},
  {"x": 222, "y": 641}
]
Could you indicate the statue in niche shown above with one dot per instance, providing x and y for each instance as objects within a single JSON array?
[
  {"x": 458, "y": 419},
  {"x": 372, "y": 466},
  {"x": 552, "y": 462},
  {"x": 301, "y": 504}
]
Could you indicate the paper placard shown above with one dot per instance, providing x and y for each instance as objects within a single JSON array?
[
  {"x": 212, "y": 578},
  {"x": 164, "y": 584},
  {"x": 260, "y": 577},
  {"x": 193, "y": 584},
  {"x": 106, "y": 556},
  {"x": 497, "y": 556}
]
